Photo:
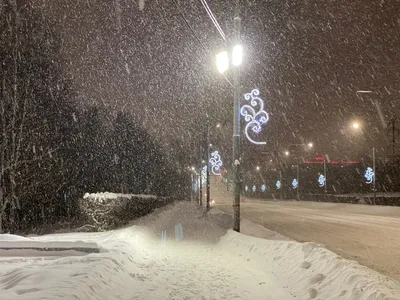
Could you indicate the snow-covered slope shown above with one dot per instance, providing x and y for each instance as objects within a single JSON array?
[{"x": 134, "y": 265}]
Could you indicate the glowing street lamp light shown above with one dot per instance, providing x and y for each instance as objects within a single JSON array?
[
  {"x": 310, "y": 145},
  {"x": 258, "y": 168},
  {"x": 356, "y": 125},
  {"x": 223, "y": 58},
  {"x": 287, "y": 153},
  {"x": 222, "y": 62},
  {"x": 237, "y": 55}
]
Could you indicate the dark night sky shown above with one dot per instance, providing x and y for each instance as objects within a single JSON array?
[{"x": 308, "y": 58}]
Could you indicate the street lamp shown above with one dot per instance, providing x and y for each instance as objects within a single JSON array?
[
  {"x": 355, "y": 125},
  {"x": 258, "y": 168},
  {"x": 223, "y": 65},
  {"x": 310, "y": 145},
  {"x": 287, "y": 153}
]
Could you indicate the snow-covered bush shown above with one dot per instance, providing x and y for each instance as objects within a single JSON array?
[{"x": 106, "y": 211}]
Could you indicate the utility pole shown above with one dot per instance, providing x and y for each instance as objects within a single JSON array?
[
  {"x": 201, "y": 178},
  {"x": 236, "y": 126},
  {"x": 374, "y": 178},
  {"x": 325, "y": 187},
  {"x": 392, "y": 124},
  {"x": 298, "y": 182},
  {"x": 280, "y": 189},
  {"x": 208, "y": 168}
]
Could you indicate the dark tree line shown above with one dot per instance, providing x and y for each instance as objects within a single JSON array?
[{"x": 51, "y": 150}]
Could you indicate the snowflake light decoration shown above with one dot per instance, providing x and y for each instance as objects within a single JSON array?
[
  {"x": 255, "y": 120},
  {"x": 295, "y": 183},
  {"x": 278, "y": 184},
  {"x": 263, "y": 188},
  {"x": 204, "y": 175},
  {"x": 369, "y": 175},
  {"x": 321, "y": 180},
  {"x": 216, "y": 163}
]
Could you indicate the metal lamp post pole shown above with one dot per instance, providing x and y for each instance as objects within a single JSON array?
[
  {"x": 201, "y": 178},
  {"x": 325, "y": 188},
  {"x": 208, "y": 168},
  {"x": 374, "y": 166},
  {"x": 298, "y": 183},
  {"x": 236, "y": 128}
]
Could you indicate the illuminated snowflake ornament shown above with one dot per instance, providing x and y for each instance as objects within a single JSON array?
[
  {"x": 295, "y": 183},
  {"x": 204, "y": 175},
  {"x": 369, "y": 175},
  {"x": 278, "y": 184},
  {"x": 246, "y": 188},
  {"x": 255, "y": 120},
  {"x": 254, "y": 188},
  {"x": 216, "y": 163},
  {"x": 263, "y": 188},
  {"x": 321, "y": 180}
]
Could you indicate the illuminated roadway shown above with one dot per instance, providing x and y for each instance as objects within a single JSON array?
[{"x": 367, "y": 234}]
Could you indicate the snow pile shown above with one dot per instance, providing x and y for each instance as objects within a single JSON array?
[
  {"x": 12, "y": 237},
  {"x": 310, "y": 270},
  {"x": 20, "y": 246}
]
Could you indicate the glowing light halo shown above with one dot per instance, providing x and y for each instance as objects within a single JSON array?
[
  {"x": 216, "y": 163},
  {"x": 321, "y": 180},
  {"x": 255, "y": 119},
  {"x": 295, "y": 183},
  {"x": 369, "y": 175},
  {"x": 278, "y": 184}
]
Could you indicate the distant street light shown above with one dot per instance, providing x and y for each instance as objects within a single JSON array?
[
  {"x": 356, "y": 125},
  {"x": 287, "y": 153},
  {"x": 258, "y": 168},
  {"x": 310, "y": 145}
]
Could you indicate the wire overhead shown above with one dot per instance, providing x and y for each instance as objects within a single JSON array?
[
  {"x": 213, "y": 19},
  {"x": 197, "y": 38}
]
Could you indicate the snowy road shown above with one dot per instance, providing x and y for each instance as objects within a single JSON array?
[{"x": 367, "y": 234}]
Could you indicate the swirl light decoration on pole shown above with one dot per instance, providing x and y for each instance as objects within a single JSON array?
[
  {"x": 369, "y": 175},
  {"x": 321, "y": 180},
  {"x": 295, "y": 183},
  {"x": 216, "y": 163},
  {"x": 204, "y": 175},
  {"x": 255, "y": 119}
]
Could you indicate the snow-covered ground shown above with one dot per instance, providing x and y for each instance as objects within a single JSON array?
[{"x": 209, "y": 263}]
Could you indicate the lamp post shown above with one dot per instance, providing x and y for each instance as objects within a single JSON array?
[
  {"x": 374, "y": 179},
  {"x": 357, "y": 126},
  {"x": 223, "y": 65}
]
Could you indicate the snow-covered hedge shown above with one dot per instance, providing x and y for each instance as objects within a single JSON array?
[{"x": 106, "y": 211}]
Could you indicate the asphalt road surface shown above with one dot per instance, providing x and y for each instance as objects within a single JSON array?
[{"x": 364, "y": 233}]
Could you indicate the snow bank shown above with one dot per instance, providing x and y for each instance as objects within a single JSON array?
[
  {"x": 12, "y": 237},
  {"x": 31, "y": 248},
  {"x": 310, "y": 270}
]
